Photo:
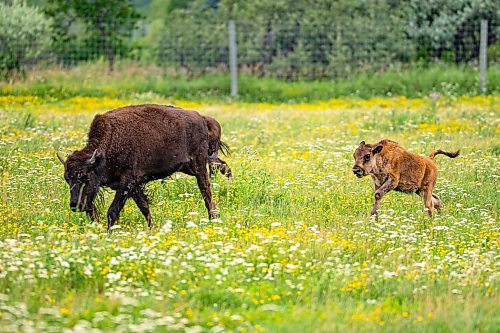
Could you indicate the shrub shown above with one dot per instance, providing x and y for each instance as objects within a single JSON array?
[{"x": 24, "y": 34}]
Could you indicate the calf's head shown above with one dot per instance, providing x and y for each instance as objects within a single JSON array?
[
  {"x": 364, "y": 160},
  {"x": 81, "y": 172}
]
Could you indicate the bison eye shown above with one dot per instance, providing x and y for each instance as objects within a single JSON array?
[{"x": 366, "y": 157}]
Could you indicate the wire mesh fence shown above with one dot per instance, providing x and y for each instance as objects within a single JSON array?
[
  {"x": 306, "y": 50},
  {"x": 292, "y": 50}
]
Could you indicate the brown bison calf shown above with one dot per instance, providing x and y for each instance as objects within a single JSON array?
[{"x": 394, "y": 168}]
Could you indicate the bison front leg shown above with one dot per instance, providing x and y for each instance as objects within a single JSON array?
[
  {"x": 387, "y": 186},
  {"x": 203, "y": 181},
  {"x": 142, "y": 202},
  {"x": 116, "y": 207}
]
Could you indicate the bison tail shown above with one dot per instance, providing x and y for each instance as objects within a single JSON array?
[
  {"x": 224, "y": 148},
  {"x": 449, "y": 154}
]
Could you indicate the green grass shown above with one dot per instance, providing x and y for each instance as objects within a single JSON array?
[
  {"x": 295, "y": 249},
  {"x": 92, "y": 80}
]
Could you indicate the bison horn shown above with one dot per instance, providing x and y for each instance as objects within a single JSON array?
[
  {"x": 92, "y": 159},
  {"x": 60, "y": 158},
  {"x": 97, "y": 154}
]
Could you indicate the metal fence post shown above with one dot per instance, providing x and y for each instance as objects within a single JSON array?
[
  {"x": 482, "y": 55},
  {"x": 233, "y": 65}
]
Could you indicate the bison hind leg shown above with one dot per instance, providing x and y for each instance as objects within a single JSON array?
[
  {"x": 215, "y": 163},
  {"x": 213, "y": 167},
  {"x": 93, "y": 214},
  {"x": 203, "y": 180},
  {"x": 225, "y": 169}
]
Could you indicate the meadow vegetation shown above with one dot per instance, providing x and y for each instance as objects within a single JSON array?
[
  {"x": 294, "y": 250},
  {"x": 130, "y": 78}
]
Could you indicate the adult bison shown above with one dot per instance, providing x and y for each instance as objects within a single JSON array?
[{"x": 130, "y": 146}]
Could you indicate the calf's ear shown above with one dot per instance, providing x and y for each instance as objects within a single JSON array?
[{"x": 377, "y": 149}]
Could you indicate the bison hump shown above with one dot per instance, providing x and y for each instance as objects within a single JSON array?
[{"x": 98, "y": 129}]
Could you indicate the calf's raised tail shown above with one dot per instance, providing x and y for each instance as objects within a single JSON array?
[{"x": 449, "y": 154}]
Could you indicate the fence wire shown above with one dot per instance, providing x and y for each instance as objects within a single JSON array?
[{"x": 298, "y": 50}]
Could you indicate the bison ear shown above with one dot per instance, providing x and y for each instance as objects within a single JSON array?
[
  {"x": 362, "y": 143},
  {"x": 377, "y": 149},
  {"x": 96, "y": 157}
]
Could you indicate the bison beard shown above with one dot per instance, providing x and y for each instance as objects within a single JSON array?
[{"x": 130, "y": 146}]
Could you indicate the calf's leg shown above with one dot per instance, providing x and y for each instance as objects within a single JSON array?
[
  {"x": 428, "y": 201},
  {"x": 438, "y": 204},
  {"x": 387, "y": 186}
]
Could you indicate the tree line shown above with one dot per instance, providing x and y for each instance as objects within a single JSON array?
[{"x": 286, "y": 38}]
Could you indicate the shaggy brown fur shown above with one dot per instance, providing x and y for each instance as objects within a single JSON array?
[
  {"x": 130, "y": 146},
  {"x": 394, "y": 168}
]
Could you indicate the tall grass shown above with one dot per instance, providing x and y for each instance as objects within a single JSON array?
[
  {"x": 92, "y": 80},
  {"x": 295, "y": 249}
]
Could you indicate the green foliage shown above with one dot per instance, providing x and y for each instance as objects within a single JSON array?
[
  {"x": 291, "y": 40},
  {"x": 410, "y": 82},
  {"x": 193, "y": 44},
  {"x": 89, "y": 23},
  {"x": 450, "y": 28},
  {"x": 24, "y": 35},
  {"x": 493, "y": 54},
  {"x": 324, "y": 38},
  {"x": 286, "y": 39}
]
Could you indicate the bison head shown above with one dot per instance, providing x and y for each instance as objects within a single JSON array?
[
  {"x": 81, "y": 172},
  {"x": 363, "y": 158}
]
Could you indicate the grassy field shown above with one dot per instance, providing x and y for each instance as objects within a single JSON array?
[
  {"x": 130, "y": 78},
  {"x": 295, "y": 249}
]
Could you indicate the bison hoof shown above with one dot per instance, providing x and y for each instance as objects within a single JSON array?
[{"x": 214, "y": 214}]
